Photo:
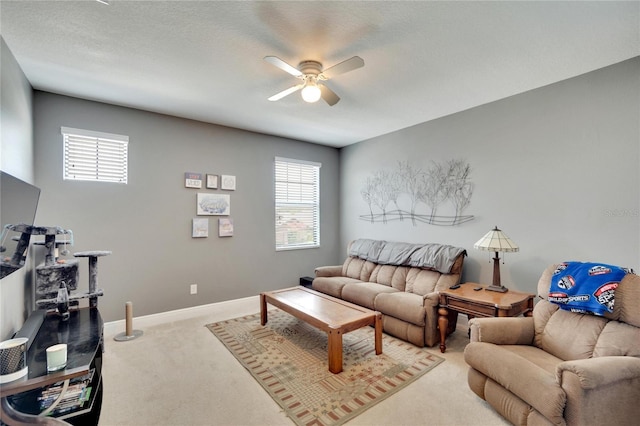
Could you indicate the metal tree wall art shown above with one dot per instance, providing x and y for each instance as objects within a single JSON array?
[{"x": 443, "y": 185}]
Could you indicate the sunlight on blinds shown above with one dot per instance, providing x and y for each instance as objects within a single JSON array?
[{"x": 297, "y": 199}]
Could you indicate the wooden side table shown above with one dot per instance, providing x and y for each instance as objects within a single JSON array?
[{"x": 481, "y": 303}]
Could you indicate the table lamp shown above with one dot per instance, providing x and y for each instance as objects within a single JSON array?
[{"x": 496, "y": 241}]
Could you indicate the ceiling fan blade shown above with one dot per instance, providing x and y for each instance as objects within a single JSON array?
[
  {"x": 343, "y": 67},
  {"x": 274, "y": 60},
  {"x": 328, "y": 95},
  {"x": 284, "y": 93}
]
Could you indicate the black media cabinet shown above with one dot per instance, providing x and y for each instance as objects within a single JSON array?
[{"x": 24, "y": 399}]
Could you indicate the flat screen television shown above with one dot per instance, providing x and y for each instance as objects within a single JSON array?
[{"x": 18, "y": 204}]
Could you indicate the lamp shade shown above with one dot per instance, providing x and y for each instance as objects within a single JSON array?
[{"x": 496, "y": 240}]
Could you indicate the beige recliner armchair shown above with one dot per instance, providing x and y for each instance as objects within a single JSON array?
[{"x": 560, "y": 367}]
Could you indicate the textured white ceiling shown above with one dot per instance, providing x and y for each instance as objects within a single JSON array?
[{"x": 204, "y": 59}]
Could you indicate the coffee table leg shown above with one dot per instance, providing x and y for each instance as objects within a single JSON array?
[
  {"x": 378, "y": 326},
  {"x": 335, "y": 351},
  {"x": 263, "y": 309}
]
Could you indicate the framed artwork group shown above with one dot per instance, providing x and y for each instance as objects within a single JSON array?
[
  {"x": 211, "y": 203},
  {"x": 195, "y": 180},
  {"x": 200, "y": 227}
]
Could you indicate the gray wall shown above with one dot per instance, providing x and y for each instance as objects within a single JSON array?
[
  {"x": 147, "y": 223},
  {"x": 16, "y": 158},
  {"x": 555, "y": 168}
]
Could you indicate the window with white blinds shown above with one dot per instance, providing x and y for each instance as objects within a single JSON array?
[
  {"x": 297, "y": 197},
  {"x": 95, "y": 156}
]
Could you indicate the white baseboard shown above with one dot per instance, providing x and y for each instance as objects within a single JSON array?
[{"x": 233, "y": 306}]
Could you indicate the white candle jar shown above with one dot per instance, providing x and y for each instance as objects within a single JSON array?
[{"x": 56, "y": 357}]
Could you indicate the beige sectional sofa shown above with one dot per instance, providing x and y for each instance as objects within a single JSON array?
[
  {"x": 559, "y": 367},
  {"x": 400, "y": 280}
]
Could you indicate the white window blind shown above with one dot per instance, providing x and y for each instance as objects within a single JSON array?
[
  {"x": 95, "y": 156},
  {"x": 297, "y": 197}
]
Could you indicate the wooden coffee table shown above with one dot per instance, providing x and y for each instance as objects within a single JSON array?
[{"x": 333, "y": 316}]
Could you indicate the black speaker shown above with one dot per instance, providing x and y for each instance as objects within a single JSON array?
[{"x": 306, "y": 281}]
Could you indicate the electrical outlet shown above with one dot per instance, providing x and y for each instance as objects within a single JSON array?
[{"x": 194, "y": 288}]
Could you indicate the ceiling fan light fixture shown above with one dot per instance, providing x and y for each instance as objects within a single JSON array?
[
  {"x": 311, "y": 92},
  {"x": 310, "y": 72}
]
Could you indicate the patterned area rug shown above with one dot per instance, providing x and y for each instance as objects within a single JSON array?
[{"x": 289, "y": 359}]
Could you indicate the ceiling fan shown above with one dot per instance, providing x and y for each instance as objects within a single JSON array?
[{"x": 312, "y": 75}]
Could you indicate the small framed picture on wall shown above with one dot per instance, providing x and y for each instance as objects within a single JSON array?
[
  {"x": 212, "y": 181},
  {"x": 213, "y": 204},
  {"x": 200, "y": 228},
  {"x": 228, "y": 182},
  {"x": 192, "y": 180},
  {"x": 225, "y": 227}
]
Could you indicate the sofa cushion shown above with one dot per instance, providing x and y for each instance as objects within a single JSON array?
[
  {"x": 535, "y": 381},
  {"x": 618, "y": 339},
  {"x": 331, "y": 285},
  {"x": 394, "y": 276},
  {"x": 625, "y": 308},
  {"x": 541, "y": 314},
  {"x": 422, "y": 281},
  {"x": 569, "y": 336},
  {"x": 405, "y": 306},
  {"x": 406, "y": 331},
  {"x": 508, "y": 405},
  {"x": 364, "y": 294},
  {"x": 359, "y": 269}
]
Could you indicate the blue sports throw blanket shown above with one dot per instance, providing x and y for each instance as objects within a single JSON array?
[{"x": 585, "y": 287}]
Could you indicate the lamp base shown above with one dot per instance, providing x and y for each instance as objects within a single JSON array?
[
  {"x": 500, "y": 289},
  {"x": 496, "y": 286}
]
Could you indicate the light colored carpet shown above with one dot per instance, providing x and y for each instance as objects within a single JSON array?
[
  {"x": 289, "y": 359},
  {"x": 177, "y": 373}
]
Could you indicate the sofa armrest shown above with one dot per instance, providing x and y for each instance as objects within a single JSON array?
[
  {"x": 329, "y": 271},
  {"x": 600, "y": 371},
  {"x": 503, "y": 330},
  {"x": 601, "y": 390},
  {"x": 431, "y": 299}
]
